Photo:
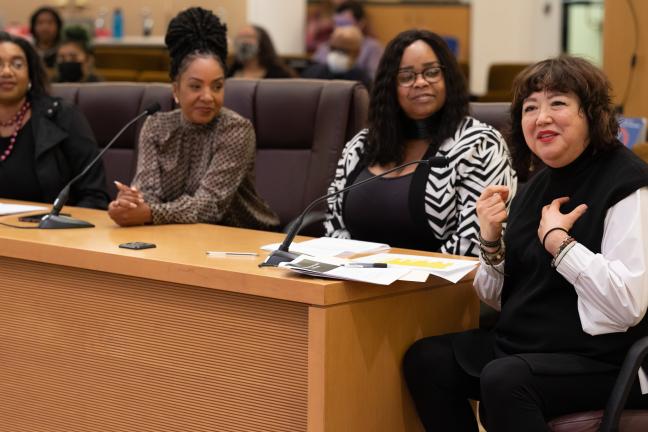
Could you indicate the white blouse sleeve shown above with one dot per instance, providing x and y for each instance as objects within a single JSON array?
[
  {"x": 488, "y": 283},
  {"x": 612, "y": 286}
]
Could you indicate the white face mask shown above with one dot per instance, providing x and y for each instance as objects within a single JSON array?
[{"x": 338, "y": 62}]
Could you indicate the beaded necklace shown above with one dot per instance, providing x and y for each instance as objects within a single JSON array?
[{"x": 18, "y": 121}]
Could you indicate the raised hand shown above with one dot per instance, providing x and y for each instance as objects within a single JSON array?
[{"x": 491, "y": 211}]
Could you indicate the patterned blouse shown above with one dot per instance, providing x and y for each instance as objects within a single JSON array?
[
  {"x": 478, "y": 157},
  {"x": 190, "y": 173}
]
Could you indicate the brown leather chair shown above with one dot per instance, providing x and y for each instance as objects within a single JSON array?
[
  {"x": 495, "y": 114},
  {"x": 301, "y": 127},
  {"x": 614, "y": 418},
  {"x": 108, "y": 107}
]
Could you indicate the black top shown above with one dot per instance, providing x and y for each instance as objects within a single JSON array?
[
  {"x": 322, "y": 71},
  {"x": 18, "y": 172},
  {"x": 379, "y": 211}
]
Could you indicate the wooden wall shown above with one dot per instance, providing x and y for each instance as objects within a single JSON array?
[
  {"x": 387, "y": 20},
  {"x": 618, "y": 43},
  {"x": 233, "y": 11}
]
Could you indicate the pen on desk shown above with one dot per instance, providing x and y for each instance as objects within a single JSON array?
[
  {"x": 222, "y": 253},
  {"x": 365, "y": 265}
]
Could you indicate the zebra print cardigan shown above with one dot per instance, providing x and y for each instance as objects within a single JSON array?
[{"x": 478, "y": 157}]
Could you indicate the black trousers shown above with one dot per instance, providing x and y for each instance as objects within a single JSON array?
[{"x": 512, "y": 398}]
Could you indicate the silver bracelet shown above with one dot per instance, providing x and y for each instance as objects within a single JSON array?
[{"x": 562, "y": 252}]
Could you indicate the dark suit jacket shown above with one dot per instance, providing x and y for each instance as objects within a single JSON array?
[{"x": 64, "y": 145}]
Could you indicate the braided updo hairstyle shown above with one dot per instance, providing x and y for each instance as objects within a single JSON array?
[{"x": 195, "y": 32}]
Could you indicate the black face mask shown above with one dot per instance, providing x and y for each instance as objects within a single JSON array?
[{"x": 70, "y": 71}]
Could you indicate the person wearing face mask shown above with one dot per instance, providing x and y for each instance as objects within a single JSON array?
[
  {"x": 74, "y": 57},
  {"x": 255, "y": 56},
  {"x": 341, "y": 59},
  {"x": 196, "y": 163},
  {"x": 352, "y": 14}
]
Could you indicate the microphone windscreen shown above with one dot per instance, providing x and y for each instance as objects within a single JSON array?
[
  {"x": 153, "y": 108},
  {"x": 438, "y": 162}
]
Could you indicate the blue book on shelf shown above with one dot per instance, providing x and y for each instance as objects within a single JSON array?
[{"x": 632, "y": 130}]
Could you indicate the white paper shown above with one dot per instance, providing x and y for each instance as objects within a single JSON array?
[
  {"x": 7, "y": 209},
  {"x": 416, "y": 276},
  {"x": 311, "y": 267},
  {"x": 331, "y": 247},
  {"x": 447, "y": 268}
]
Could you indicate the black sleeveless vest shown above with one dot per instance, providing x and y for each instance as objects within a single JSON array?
[{"x": 539, "y": 307}]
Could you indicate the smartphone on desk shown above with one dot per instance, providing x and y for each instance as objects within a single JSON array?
[
  {"x": 36, "y": 217},
  {"x": 137, "y": 245}
]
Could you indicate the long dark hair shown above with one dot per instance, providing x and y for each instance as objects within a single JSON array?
[
  {"x": 36, "y": 69},
  {"x": 268, "y": 57},
  {"x": 563, "y": 74},
  {"x": 386, "y": 117},
  {"x": 195, "y": 32},
  {"x": 57, "y": 18}
]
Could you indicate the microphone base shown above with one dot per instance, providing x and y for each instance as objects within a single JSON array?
[
  {"x": 62, "y": 222},
  {"x": 277, "y": 257}
]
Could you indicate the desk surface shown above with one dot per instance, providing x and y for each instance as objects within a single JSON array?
[{"x": 180, "y": 258}]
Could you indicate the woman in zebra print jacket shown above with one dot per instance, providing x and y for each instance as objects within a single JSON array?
[{"x": 418, "y": 109}]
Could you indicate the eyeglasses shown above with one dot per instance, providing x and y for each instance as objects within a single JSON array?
[
  {"x": 16, "y": 64},
  {"x": 430, "y": 74}
]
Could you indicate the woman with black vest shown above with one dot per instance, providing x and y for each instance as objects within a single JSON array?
[{"x": 569, "y": 273}]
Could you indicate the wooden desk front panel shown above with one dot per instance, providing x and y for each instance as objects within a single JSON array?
[{"x": 82, "y": 350}]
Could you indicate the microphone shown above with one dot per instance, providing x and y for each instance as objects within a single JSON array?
[
  {"x": 53, "y": 220},
  {"x": 283, "y": 254}
]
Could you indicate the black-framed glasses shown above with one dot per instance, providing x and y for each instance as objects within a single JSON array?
[{"x": 430, "y": 74}]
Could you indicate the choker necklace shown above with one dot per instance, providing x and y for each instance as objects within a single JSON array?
[
  {"x": 18, "y": 121},
  {"x": 418, "y": 129}
]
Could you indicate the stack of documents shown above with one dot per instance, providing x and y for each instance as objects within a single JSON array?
[
  {"x": 319, "y": 268},
  {"x": 447, "y": 268},
  {"x": 388, "y": 268}
]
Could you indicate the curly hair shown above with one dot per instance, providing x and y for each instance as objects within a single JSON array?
[
  {"x": 36, "y": 69},
  {"x": 57, "y": 19},
  {"x": 387, "y": 118},
  {"x": 563, "y": 74},
  {"x": 195, "y": 32}
]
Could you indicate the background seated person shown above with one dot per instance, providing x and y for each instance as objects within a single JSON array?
[
  {"x": 45, "y": 27},
  {"x": 341, "y": 59},
  {"x": 74, "y": 57},
  {"x": 569, "y": 273},
  {"x": 352, "y": 13},
  {"x": 255, "y": 56},
  {"x": 418, "y": 108},
  {"x": 196, "y": 163},
  {"x": 44, "y": 142}
]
